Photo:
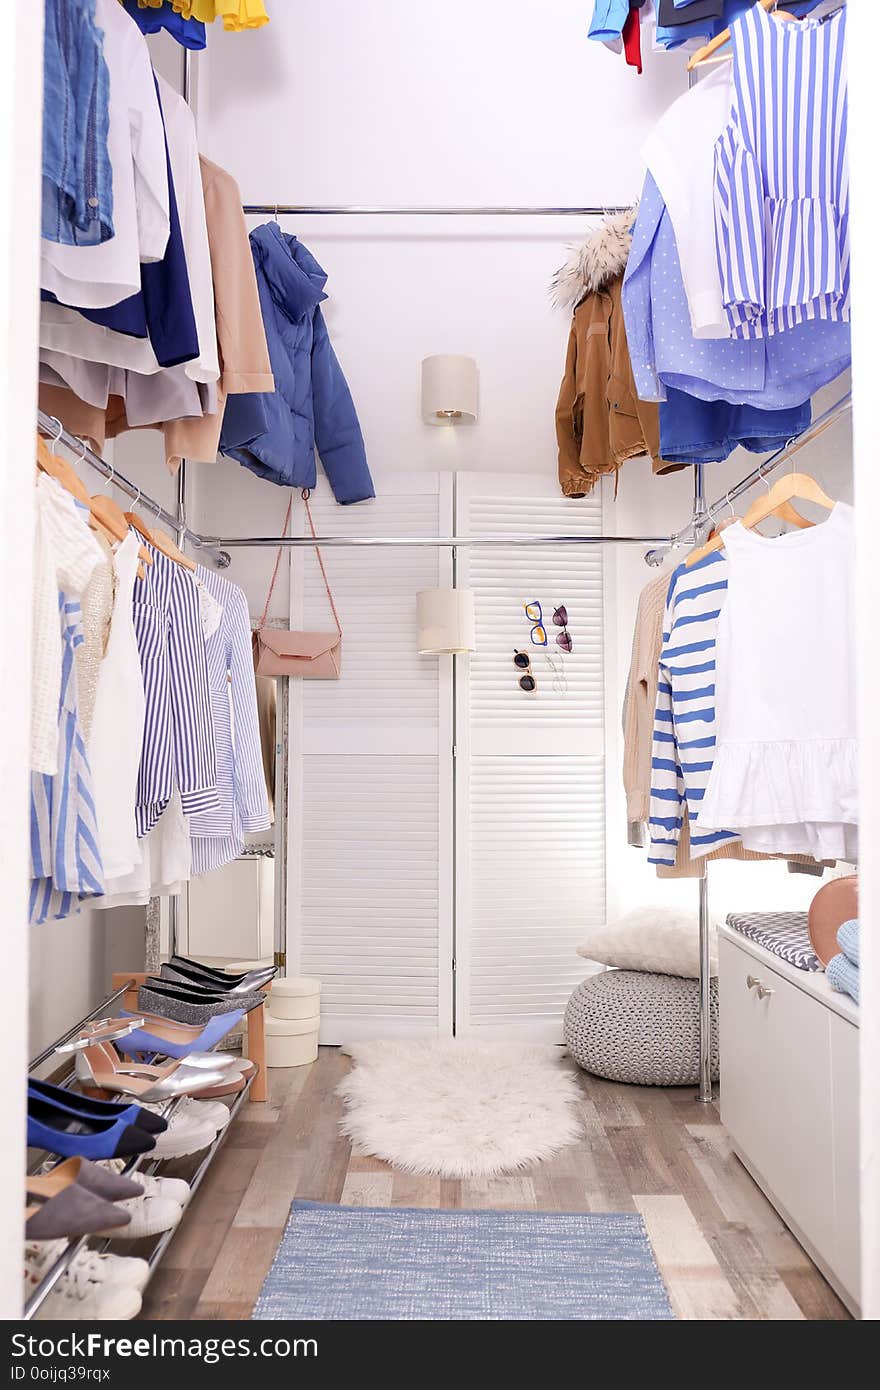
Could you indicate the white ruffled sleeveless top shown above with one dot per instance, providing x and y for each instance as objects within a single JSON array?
[{"x": 785, "y": 768}]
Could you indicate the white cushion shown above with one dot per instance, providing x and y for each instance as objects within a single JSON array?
[{"x": 658, "y": 939}]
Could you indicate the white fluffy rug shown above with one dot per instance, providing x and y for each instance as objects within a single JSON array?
[{"x": 459, "y": 1109}]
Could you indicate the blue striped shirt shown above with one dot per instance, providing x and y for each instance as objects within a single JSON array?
[
  {"x": 217, "y": 835},
  {"x": 781, "y": 177},
  {"x": 66, "y": 866},
  {"x": 684, "y": 726},
  {"x": 178, "y": 746}
]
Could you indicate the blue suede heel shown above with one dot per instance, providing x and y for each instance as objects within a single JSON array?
[{"x": 143, "y": 1041}]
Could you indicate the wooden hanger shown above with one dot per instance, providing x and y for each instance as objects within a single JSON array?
[
  {"x": 712, "y": 47},
  {"x": 104, "y": 515},
  {"x": 776, "y": 503},
  {"x": 163, "y": 542},
  {"x": 62, "y": 471}
]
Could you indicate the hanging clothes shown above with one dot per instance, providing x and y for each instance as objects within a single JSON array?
[
  {"x": 696, "y": 431},
  {"x": 782, "y": 209},
  {"x": 96, "y": 607},
  {"x": 241, "y": 336},
  {"x": 103, "y": 274},
  {"x": 218, "y": 835},
  {"x": 276, "y": 436},
  {"x": 236, "y": 14},
  {"x": 646, "y": 763},
  {"x": 267, "y": 706},
  {"x": 65, "y": 555},
  {"x": 117, "y": 731},
  {"x": 162, "y": 310},
  {"x": 772, "y": 373},
  {"x": 600, "y": 422},
  {"x": 64, "y": 330},
  {"x": 66, "y": 866},
  {"x": 164, "y": 866},
  {"x": 189, "y": 33},
  {"x": 191, "y": 414},
  {"x": 77, "y": 175},
  {"x": 178, "y": 745},
  {"x": 785, "y": 766}
]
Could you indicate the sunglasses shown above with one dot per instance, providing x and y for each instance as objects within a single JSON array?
[
  {"x": 535, "y": 615},
  {"x": 560, "y": 619},
  {"x": 523, "y": 662}
]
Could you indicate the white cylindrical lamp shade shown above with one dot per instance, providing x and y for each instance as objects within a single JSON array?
[
  {"x": 447, "y": 622},
  {"x": 449, "y": 390}
]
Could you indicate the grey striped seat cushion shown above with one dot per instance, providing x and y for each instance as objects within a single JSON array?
[{"x": 784, "y": 934}]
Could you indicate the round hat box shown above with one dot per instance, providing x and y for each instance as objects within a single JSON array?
[
  {"x": 295, "y": 998},
  {"x": 290, "y": 1042}
]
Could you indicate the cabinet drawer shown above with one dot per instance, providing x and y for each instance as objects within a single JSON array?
[{"x": 776, "y": 1088}]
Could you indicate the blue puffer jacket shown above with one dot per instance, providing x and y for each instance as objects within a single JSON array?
[{"x": 275, "y": 434}]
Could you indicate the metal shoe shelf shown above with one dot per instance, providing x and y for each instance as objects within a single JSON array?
[{"x": 123, "y": 985}]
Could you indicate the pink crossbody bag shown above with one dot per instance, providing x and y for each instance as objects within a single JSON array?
[{"x": 315, "y": 656}]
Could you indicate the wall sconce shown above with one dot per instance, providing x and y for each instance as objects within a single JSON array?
[
  {"x": 447, "y": 623},
  {"x": 449, "y": 390}
]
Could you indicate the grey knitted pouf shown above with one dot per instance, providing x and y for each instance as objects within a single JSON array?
[{"x": 629, "y": 1025}]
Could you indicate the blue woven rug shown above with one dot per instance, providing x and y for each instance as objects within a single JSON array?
[{"x": 384, "y": 1263}]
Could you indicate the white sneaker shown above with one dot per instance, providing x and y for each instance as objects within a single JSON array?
[
  {"x": 90, "y": 1290},
  {"x": 150, "y": 1216},
  {"x": 169, "y": 1189},
  {"x": 186, "y": 1134},
  {"x": 213, "y": 1110},
  {"x": 205, "y": 1111},
  {"x": 118, "y": 1269}
]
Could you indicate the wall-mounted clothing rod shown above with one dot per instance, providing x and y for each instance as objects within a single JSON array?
[
  {"x": 393, "y": 210},
  {"x": 51, "y": 427},
  {"x": 783, "y": 455},
  {"x": 56, "y": 434}
]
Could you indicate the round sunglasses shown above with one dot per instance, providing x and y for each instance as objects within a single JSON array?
[
  {"x": 535, "y": 615},
  {"x": 523, "y": 662}
]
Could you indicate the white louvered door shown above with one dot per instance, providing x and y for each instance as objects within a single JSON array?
[
  {"x": 370, "y": 808},
  {"x": 530, "y": 769}
]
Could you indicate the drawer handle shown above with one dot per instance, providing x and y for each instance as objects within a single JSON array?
[
  {"x": 752, "y": 981},
  {"x": 764, "y": 991}
]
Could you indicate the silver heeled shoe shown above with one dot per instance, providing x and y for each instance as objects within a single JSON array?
[{"x": 98, "y": 1065}]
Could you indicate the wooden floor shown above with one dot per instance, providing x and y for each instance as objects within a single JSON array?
[{"x": 722, "y": 1249}]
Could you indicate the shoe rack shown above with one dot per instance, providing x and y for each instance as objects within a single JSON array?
[{"x": 124, "y": 995}]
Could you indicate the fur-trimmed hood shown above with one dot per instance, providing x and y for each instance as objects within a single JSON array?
[{"x": 602, "y": 257}]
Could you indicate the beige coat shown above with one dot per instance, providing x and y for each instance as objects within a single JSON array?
[{"x": 241, "y": 338}]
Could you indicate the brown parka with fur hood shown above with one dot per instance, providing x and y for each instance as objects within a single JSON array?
[{"x": 600, "y": 421}]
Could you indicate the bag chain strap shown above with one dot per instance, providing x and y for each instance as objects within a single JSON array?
[{"x": 305, "y": 496}]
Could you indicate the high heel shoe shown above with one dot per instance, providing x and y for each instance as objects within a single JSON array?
[
  {"x": 194, "y": 969},
  {"x": 191, "y": 1004},
  {"x": 178, "y": 1040},
  {"x": 71, "y": 1134},
  {"x": 98, "y": 1065},
  {"x": 75, "y": 1103}
]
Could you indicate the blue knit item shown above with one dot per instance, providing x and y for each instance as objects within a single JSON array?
[
  {"x": 843, "y": 976},
  {"x": 848, "y": 940}
]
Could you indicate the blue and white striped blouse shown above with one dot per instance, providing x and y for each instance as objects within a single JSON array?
[
  {"x": 66, "y": 866},
  {"x": 684, "y": 725},
  {"x": 781, "y": 177},
  {"x": 178, "y": 747},
  {"x": 217, "y": 835}
]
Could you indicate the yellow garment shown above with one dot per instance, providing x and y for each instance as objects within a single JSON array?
[{"x": 236, "y": 14}]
